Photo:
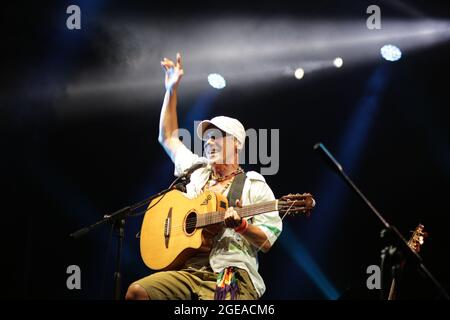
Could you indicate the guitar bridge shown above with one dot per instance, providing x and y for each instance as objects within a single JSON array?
[{"x": 167, "y": 226}]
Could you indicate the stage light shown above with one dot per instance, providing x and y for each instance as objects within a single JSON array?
[
  {"x": 299, "y": 73},
  {"x": 390, "y": 52},
  {"x": 338, "y": 62},
  {"x": 213, "y": 44},
  {"x": 216, "y": 81}
]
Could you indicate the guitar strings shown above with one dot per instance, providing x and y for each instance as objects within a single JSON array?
[
  {"x": 246, "y": 209},
  {"x": 193, "y": 223}
]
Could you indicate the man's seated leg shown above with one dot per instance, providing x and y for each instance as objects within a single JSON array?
[
  {"x": 136, "y": 292},
  {"x": 164, "y": 285}
]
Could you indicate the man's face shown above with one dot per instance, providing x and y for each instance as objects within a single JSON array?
[{"x": 219, "y": 147}]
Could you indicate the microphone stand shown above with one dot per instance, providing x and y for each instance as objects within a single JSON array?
[
  {"x": 117, "y": 219},
  {"x": 396, "y": 236}
]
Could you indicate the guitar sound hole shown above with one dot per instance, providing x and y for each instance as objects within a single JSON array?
[{"x": 191, "y": 221}]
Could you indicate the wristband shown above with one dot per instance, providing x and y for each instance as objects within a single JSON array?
[{"x": 243, "y": 227}]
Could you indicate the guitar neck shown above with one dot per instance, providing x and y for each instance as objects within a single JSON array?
[{"x": 210, "y": 218}]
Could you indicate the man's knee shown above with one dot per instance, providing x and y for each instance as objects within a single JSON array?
[{"x": 136, "y": 292}]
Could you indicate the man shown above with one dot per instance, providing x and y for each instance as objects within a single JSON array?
[{"x": 230, "y": 269}]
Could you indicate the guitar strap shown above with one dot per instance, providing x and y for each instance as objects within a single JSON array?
[
  {"x": 227, "y": 280},
  {"x": 236, "y": 189}
]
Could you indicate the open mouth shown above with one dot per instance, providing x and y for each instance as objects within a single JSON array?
[{"x": 211, "y": 152}]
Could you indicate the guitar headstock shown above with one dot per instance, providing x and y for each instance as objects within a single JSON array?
[
  {"x": 417, "y": 238},
  {"x": 296, "y": 204}
]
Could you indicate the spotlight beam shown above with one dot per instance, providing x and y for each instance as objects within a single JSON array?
[{"x": 231, "y": 46}]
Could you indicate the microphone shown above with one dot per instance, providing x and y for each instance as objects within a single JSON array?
[
  {"x": 328, "y": 157},
  {"x": 181, "y": 182}
]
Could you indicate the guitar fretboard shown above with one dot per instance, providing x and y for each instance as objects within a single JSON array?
[{"x": 247, "y": 211}]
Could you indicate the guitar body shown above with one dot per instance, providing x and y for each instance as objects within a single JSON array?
[
  {"x": 168, "y": 233},
  {"x": 175, "y": 227}
]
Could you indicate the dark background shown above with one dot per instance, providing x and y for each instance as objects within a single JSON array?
[{"x": 62, "y": 174}]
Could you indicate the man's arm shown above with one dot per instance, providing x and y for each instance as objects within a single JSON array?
[
  {"x": 253, "y": 234},
  {"x": 257, "y": 237},
  {"x": 168, "y": 123},
  {"x": 266, "y": 228}
]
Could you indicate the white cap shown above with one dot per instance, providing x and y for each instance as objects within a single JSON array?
[{"x": 229, "y": 125}]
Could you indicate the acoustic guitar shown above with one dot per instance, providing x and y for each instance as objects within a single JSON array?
[{"x": 175, "y": 227}]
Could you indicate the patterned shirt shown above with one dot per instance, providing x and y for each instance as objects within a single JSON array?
[{"x": 230, "y": 248}]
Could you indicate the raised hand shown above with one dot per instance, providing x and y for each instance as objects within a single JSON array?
[{"x": 174, "y": 72}]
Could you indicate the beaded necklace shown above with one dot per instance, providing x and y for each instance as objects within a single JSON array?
[
  {"x": 213, "y": 179},
  {"x": 228, "y": 176}
]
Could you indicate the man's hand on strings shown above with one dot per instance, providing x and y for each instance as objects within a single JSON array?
[{"x": 231, "y": 218}]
